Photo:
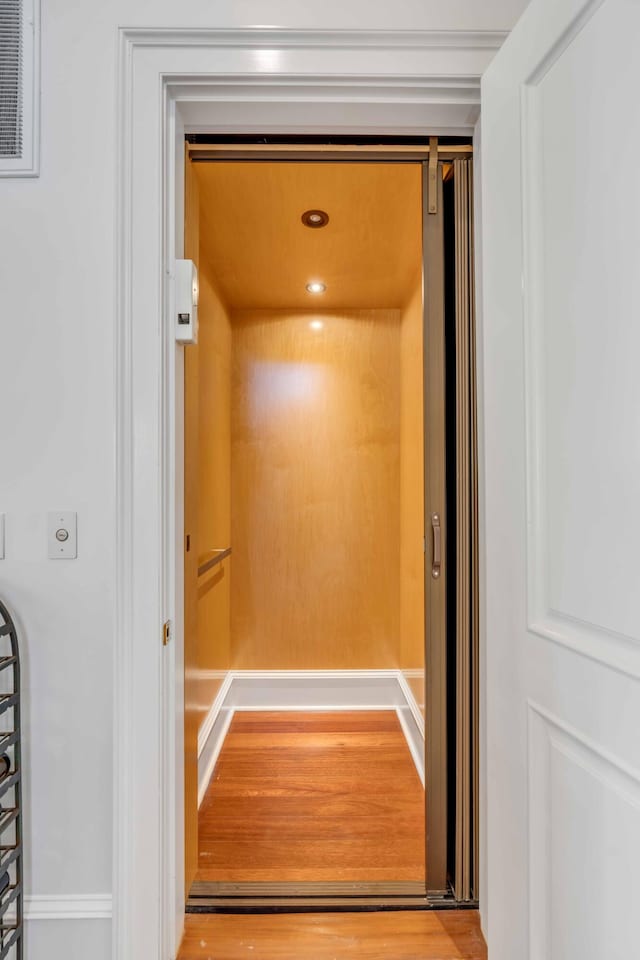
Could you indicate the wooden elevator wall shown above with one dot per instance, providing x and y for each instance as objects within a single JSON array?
[
  {"x": 412, "y": 484},
  {"x": 214, "y": 489},
  {"x": 316, "y": 489}
]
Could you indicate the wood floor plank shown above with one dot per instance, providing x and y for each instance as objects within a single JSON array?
[
  {"x": 313, "y": 796},
  {"x": 316, "y": 721},
  {"x": 412, "y": 935}
]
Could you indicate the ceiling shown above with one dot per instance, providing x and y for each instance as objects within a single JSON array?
[{"x": 262, "y": 256}]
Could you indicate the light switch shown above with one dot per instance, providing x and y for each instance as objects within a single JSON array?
[
  {"x": 62, "y": 536},
  {"x": 1, "y": 536}
]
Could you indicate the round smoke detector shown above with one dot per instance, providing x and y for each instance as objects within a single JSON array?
[{"x": 315, "y": 218}]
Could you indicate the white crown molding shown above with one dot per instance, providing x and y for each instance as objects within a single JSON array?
[
  {"x": 439, "y": 66},
  {"x": 279, "y": 37}
]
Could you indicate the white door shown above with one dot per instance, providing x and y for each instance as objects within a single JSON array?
[{"x": 561, "y": 399}]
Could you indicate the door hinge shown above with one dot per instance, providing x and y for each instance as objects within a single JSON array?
[{"x": 166, "y": 633}]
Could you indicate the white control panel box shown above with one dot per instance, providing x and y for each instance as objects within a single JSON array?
[
  {"x": 62, "y": 535},
  {"x": 186, "y": 301}
]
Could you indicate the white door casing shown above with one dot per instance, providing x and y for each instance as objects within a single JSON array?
[
  {"x": 561, "y": 402},
  {"x": 246, "y": 80}
]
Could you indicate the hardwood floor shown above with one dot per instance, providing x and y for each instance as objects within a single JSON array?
[
  {"x": 313, "y": 797},
  {"x": 444, "y": 935}
]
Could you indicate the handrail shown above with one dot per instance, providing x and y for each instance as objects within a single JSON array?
[{"x": 218, "y": 556}]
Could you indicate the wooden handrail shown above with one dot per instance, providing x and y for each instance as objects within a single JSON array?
[{"x": 211, "y": 558}]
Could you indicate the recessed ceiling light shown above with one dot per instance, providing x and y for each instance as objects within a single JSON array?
[
  {"x": 315, "y": 218},
  {"x": 316, "y": 324},
  {"x": 316, "y": 287}
]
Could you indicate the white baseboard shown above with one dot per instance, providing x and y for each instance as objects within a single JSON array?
[
  {"x": 73, "y": 907},
  {"x": 209, "y": 756},
  {"x": 205, "y": 730},
  {"x": 308, "y": 690},
  {"x": 410, "y": 699},
  {"x": 211, "y": 735}
]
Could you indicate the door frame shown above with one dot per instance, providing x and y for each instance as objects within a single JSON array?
[
  {"x": 244, "y": 81},
  {"x": 440, "y": 798}
]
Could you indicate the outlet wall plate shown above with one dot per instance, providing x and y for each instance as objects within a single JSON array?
[{"x": 62, "y": 535}]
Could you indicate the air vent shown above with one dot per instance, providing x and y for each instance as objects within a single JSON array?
[
  {"x": 10, "y": 78},
  {"x": 18, "y": 87}
]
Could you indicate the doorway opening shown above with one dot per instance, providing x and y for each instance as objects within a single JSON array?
[{"x": 330, "y": 597}]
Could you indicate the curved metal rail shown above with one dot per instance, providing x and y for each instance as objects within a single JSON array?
[{"x": 11, "y": 852}]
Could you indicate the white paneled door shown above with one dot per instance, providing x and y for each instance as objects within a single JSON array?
[{"x": 561, "y": 400}]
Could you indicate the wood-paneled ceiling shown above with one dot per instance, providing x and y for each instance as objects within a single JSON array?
[{"x": 261, "y": 255}]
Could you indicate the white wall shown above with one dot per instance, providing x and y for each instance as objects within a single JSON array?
[{"x": 57, "y": 263}]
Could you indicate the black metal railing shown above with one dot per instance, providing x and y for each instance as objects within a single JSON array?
[{"x": 11, "y": 854}]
